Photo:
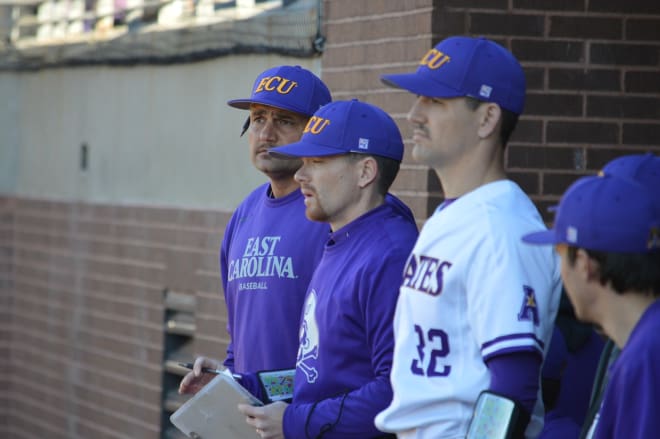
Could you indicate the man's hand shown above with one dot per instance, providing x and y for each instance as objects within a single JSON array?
[
  {"x": 267, "y": 420},
  {"x": 195, "y": 380}
]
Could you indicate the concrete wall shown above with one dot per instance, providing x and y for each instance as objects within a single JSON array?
[
  {"x": 9, "y": 133},
  {"x": 155, "y": 135}
]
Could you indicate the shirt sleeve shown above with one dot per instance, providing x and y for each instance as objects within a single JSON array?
[
  {"x": 516, "y": 376},
  {"x": 518, "y": 282},
  {"x": 251, "y": 382},
  {"x": 224, "y": 257}
]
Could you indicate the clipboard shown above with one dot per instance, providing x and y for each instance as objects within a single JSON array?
[{"x": 212, "y": 412}]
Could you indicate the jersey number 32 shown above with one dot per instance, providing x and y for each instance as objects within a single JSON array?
[{"x": 437, "y": 349}]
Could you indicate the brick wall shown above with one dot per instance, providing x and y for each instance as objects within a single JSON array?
[
  {"x": 366, "y": 39},
  {"x": 592, "y": 69},
  {"x": 6, "y": 296},
  {"x": 87, "y": 312}
]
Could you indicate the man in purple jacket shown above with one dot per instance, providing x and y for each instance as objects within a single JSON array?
[
  {"x": 351, "y": 153},
  {"x": 607, "y": 232},
  {"x": 645, "y": 170}
]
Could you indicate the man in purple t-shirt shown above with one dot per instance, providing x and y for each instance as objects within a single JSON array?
[
  {"x": 607, "y": 232},
  {"x": 269, "y": 249},
  {"x": 643, "y": 169},
  {"x": 351, "y": 153}
]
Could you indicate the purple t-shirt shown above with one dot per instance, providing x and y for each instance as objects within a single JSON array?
[
  {"x": 346, "y": 335},
  {"x": 632, "y": 399},
  {"x": 268, "y": 254}
]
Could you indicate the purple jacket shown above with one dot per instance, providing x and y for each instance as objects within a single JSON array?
[{"x": 346, "y": 335}]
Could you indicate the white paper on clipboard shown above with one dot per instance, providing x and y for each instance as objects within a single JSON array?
[{"x": 212, "y": 412}]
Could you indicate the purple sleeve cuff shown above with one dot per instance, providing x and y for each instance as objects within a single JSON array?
[
  {"x": 516, "y": 375},
  {"x": 251, "y": 382}
]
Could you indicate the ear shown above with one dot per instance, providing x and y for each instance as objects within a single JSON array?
[
  {"x": 489, "y": 118},
  {"x": 367, "y": 171},
  {"x": 588, "y": 268}
]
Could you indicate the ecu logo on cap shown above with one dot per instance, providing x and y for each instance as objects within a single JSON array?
[
  {"x": 276, "y": 83},
  {"x": 434, "y": 59},
  {"x": 316, "y": 125}
]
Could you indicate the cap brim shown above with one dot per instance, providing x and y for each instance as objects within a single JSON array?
[
  {"x": 542, "y": 237},
  {"x": 420, "y": 85},
  {"x": 244, "y": 104},
  {"x": 304, "y": 149}
]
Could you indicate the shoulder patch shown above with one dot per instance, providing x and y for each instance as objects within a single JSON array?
[{"x": 529, "y": 310}]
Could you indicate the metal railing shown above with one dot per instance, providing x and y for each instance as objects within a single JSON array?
[
  {"x": 62, "y": 33},
  {"x": 53, "y": 21}
]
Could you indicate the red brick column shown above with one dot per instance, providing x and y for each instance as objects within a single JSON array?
[{"x": 592, "y": 70}]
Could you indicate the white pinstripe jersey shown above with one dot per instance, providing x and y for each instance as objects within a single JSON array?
[{"x": 471, "y": 290}]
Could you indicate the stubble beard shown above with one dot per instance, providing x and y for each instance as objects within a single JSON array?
[
  {"x": 316, "y": 213},
  {"x": 276, "y": 167}
]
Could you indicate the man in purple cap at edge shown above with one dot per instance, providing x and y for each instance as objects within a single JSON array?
[
  {"x": 607, "y": 233},
  {"x": 269, "y": 249},
  {"x": 351, "y": 152},
  {"x": 476, "y": 307}
]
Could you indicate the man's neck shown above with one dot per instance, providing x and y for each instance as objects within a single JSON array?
[
  {"x": 366, "y": 204},
  {"x": 281, "y": 187},
  {"x": 470, "y": 172}
]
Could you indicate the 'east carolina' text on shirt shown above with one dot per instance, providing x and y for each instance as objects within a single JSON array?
[{"x": 259, "y": 259}]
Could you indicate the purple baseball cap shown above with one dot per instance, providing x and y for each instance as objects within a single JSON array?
[
  {"x": 466, "y": 66},
  {"x": 604, "y": 213},
  {"x": 289, "y": 88},
  {"x": 642, "y": 168},
  {"x": 341, "y": 127}
]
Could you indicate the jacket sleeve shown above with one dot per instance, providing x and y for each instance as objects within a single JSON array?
[{"x": 347, "y": 416}]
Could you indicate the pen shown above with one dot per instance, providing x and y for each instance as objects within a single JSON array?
[{"x": 210, "y": 370}]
